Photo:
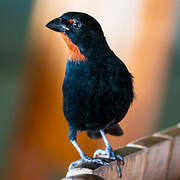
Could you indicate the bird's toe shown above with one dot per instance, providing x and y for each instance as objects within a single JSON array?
[
  {"x": 100, "y": 153},
  {"x": 75, "y": 163},
  {"x": 99, "y": 161}
]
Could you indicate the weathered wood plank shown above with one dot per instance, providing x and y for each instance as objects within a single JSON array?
[
  {"x": 158, "y": 149},
  {"x": 155, "y": 157},
  {"x": 173, "y": 134},
  {"x": 133, "y": 169}
]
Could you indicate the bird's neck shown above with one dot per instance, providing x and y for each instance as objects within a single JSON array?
[
  {"x": 74, "y": 52},
  {"x": 92, "y": 50}
]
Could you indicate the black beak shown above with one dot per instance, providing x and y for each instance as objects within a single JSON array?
[{"x": 57, "y": 25}]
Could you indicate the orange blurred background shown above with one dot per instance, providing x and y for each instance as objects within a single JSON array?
[{"x": 144, "y": 34}]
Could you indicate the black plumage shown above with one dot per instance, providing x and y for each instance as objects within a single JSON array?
[
  {"x": 97, "y": 88},
  {"x": 97, "y": 93}
]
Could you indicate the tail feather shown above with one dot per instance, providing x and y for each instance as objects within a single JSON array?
[{"x": 114, "y": 130}]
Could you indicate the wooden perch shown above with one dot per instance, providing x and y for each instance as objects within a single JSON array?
[{"x": 155, "y": 157}]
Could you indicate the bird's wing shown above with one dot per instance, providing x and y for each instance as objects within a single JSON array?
[{"x": 114, "y": 130}]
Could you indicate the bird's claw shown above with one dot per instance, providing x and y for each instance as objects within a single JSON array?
[
  {"x": 119, "y": 170},
  {"x": 96, "y": 161},
  {"x": 87, "y": 159},
  {"x": 117, "y": 157},
  {"x": 100, "y": 153},
  {"x": 75, "y": 163},
  {"x": 108, "y": 153},
  {"x": 120, "y": 158}
]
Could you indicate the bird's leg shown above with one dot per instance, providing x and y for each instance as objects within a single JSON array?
[
  {"x": 84, "y": 157},
  {"x": 108, "y": 152}
]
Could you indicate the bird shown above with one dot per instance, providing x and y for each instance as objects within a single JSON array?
[{"x": 97, "y": 87}]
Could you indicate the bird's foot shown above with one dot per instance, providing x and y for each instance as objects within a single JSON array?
[
  {"x": 87, "y": 159},
  {"x": 101, "y": 153},
  {"x": 96, "y": 161},
  {"x": 108, "y": 153}
]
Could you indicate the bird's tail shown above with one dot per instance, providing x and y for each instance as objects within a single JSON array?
[{"x": 114, "y": 130}]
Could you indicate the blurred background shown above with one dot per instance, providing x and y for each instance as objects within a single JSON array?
[{"x": 145, "y": 34}]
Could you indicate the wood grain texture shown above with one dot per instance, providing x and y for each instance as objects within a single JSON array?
[
  {"x": 158, "y": 149},
  {"x": 173, "y": 172}
]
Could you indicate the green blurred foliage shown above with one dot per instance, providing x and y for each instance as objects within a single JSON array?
[{"x": 14, "y": 18}]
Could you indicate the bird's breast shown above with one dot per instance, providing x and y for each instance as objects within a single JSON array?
[{"x": 74, "y": 52}]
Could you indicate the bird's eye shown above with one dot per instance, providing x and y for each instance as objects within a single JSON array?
[{"x": 77, "y": 24}]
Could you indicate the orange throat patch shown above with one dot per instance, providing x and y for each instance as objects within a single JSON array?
[{"x": 74, "y": 52}]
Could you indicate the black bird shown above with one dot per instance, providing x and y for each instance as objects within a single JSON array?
[{"x": 97, "y": 88}]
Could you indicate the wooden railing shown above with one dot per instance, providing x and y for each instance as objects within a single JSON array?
[{"x": 155, "y": 157}]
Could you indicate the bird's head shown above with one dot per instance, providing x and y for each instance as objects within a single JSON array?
[{"x": 81, "y": 32}]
